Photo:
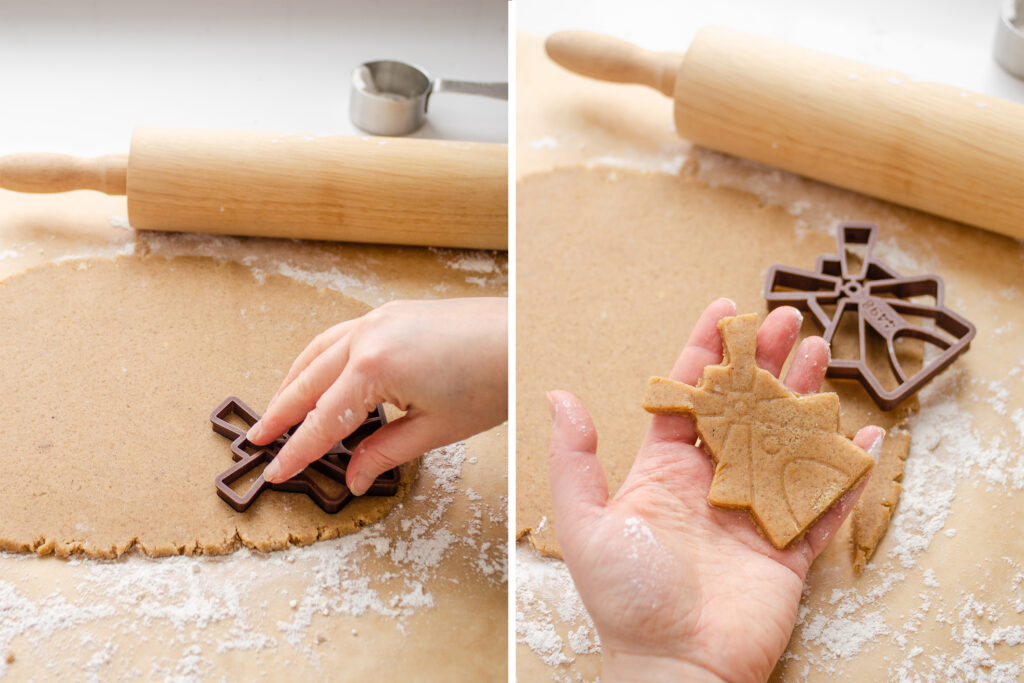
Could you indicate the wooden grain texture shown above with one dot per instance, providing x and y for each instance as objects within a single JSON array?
[
  {"x": 46, "y": 172},
  {"x": 611, "y": 59},
  {"x": 930, "y": 146},
  {"x": 353, "y": 189},
  {"x": 933, "y": 147}
]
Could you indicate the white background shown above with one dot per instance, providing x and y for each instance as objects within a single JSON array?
[
  {"x": 77, "y": 76},
  {"x": 948, "y": 41}
]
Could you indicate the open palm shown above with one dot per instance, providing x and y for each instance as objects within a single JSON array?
[{"x": 676, "y": 587}]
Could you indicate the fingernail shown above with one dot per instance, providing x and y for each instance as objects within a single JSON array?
[
  {"x": 725, "y": 298},
  {"x": 254, "y": 432},
  {"x": 552, "y": 405},
  {"x": 361, "y": 482},
  {"x": 272, "y": 471},
  {"x": 798, "y": 315},
  {"x": 875, "y": 449}
]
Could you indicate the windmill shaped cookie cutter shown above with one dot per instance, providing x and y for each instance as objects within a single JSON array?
[
  {"x": 880, "y": 297},
  {"x": 332, "y": 465}
]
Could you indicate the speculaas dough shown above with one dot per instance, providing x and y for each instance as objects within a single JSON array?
[
  {"x": 871, "y": 515},
  {"x": 873, "y": 509},
  {"x": 111, "y": 369},
  {"x": 778, "y": 455}
]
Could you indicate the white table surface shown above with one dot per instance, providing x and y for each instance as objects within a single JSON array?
[
  {"x": 77, "y": 77},
  {"x": 947, "y": 41}
]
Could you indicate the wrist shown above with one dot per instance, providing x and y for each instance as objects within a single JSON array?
[{"x": 624, "y": 666}]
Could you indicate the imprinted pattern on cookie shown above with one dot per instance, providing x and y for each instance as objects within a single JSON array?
[
  {"x": 332, "y": 465},
  {"x": 778, "y": 455},
  {"x": 880, "y": 297}
]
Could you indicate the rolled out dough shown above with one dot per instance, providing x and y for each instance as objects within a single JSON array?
[{"x": 111, "y": 368}]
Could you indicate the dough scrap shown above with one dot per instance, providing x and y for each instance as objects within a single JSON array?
[
  {"x": 870, "y": 517},
  {"x": 111, "y": 368},
  {"x": 777, "y": 454}
]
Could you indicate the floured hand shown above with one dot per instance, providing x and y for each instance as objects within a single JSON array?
[
  {"x": 444, "y": 362},
  {"x": 678, "y": 589}
]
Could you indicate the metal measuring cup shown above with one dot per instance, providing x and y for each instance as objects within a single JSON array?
[
  {"x": 391, "y": 98},
  {"x": 1009, "y": 46}
]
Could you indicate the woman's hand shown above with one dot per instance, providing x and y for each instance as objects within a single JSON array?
[
  {"x": 678, "y": 589},
  {"x": 444, "y": 362}
]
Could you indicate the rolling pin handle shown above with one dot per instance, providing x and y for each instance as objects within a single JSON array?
[
  {"x": 611, "y": 59},
  {"x": 45, "y": 172}
]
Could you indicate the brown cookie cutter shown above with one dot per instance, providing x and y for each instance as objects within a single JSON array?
[
  {"x": 880, "y": 297},
  {"x": 332, "y": 465}
]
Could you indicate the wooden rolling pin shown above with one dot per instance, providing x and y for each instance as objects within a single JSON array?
[
  {"x": 934, "y": 147},
  {"x": 353, "y": 189}
]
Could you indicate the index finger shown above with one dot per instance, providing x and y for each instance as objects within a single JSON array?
[{"x": 338, "y": 412}]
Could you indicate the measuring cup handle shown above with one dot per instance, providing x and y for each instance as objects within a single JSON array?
[{"x": 496, "y": 90}]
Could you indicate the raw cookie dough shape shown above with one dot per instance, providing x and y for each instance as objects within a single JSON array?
[
  {"x": 880, "y": 297},
  {"x": 332, "y": 465},
  {"x": 111, "y": 367},
  {"x": 870, "y": 517},
  {"x": 777, "y": 454}
]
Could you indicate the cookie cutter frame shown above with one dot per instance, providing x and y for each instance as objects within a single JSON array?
[
  {"x": 332, "y": 465},
  {"x": 880, "y": 297}
]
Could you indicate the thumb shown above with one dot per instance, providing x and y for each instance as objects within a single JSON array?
[
  {"x": 400, "y": 441},
  {"x": 578, "y": 486},
  {"x": 870, "y": 439}
]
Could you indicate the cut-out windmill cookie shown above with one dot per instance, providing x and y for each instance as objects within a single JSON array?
[
  {"x": 777, "y": 454},
  {"x": 880, "y": 298},
  {"x": 332, "y": 465}
]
